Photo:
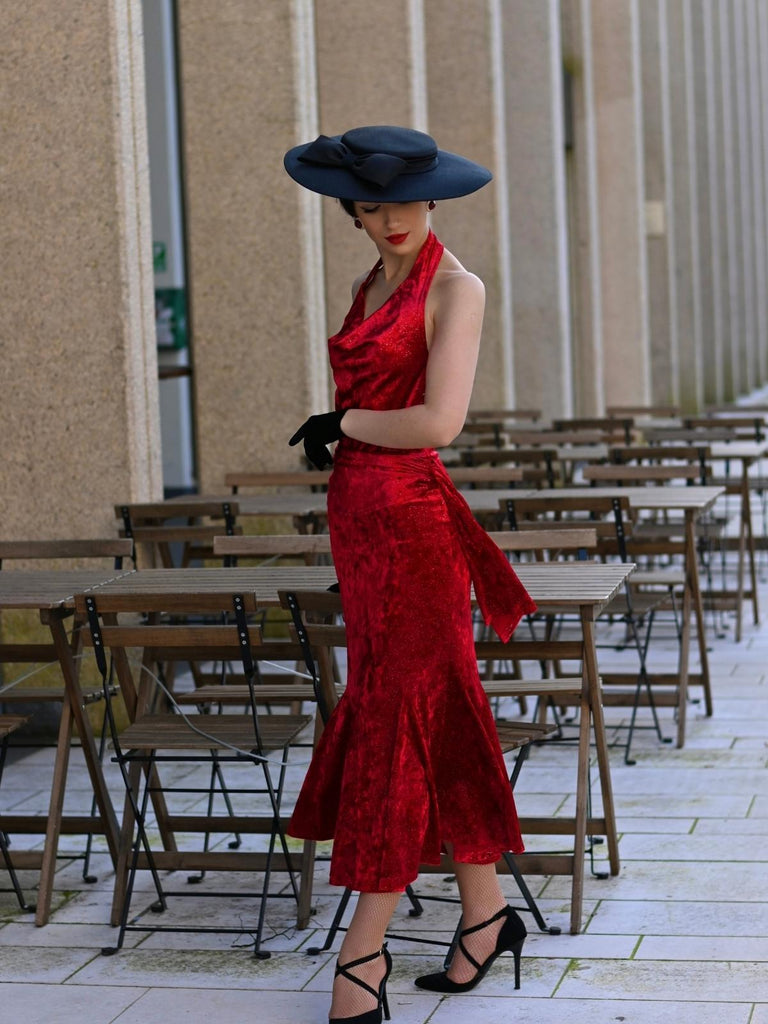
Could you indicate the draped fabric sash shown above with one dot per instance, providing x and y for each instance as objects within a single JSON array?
[{"x": 502, "y": 598}]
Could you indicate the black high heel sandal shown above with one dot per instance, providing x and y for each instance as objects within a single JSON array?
[
  {"x": 511, "y": 939},
  {"x": 371, "y": 1016}
]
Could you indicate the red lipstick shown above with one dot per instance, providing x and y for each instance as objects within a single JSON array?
[{"x": 397, "y": 239}]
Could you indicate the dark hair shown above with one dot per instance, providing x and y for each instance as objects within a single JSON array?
[{"x": 349, "y": 206}]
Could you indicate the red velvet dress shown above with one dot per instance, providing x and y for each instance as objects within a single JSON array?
[{"x": 409, "y": 759}]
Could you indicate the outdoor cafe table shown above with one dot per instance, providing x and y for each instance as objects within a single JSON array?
[
  {"x": 693, "y": 502},
  {"x": 51, "y": 594},
  {"x": 587, "y": 587}
]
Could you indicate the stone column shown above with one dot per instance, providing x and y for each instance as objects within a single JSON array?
[
  {"x": 537, "y": 228},
  {"x": 730, "y": 205},
  {"x": 583, "y": 212},
  {"x": 706, "y": 142},
  {"x": 684, "y": 252},
  {"x": 465, "y": 103},
  {"x": 79, "y": 409},
  {"x": 747, "y": 348},
  {"x": 249, "y": 89},
  {"x": 760, "y": 357},
  {"x": 659, "y": 205},
  {"x": 618, "y": 117}
]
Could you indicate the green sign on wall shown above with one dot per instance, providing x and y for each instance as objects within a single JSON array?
[{"x": 171, "y": 317}]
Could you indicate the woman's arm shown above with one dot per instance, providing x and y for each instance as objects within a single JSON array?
[{"x": 458, "y": 320}]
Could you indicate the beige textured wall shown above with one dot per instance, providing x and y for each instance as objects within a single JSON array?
[
  {"x": 249, "y": 309},
  {"x": 615, "y": 54},
  {"x": 537, "y": 228},
  {"x": 78, "y": 405},
  {"x": 460, "y": 86}
]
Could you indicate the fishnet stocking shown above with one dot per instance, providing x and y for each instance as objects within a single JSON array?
[
  {"x": 481, "y": 898},
  {"x": 365, "y": 935}
]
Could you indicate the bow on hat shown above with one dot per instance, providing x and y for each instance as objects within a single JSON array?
[{"x": 377, "y": 168}]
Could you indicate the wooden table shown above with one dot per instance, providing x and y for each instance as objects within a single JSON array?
[
  {"x": 693, "y": 502},
  {"x": 51, "y": 593},
  {"x": 587, "y": 587},
  {"x": 747, "y": 453}
]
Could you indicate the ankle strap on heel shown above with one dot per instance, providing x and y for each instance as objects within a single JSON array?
[
  {"x": 479, "y": 927},
  {"x": 344, "y": 970}
]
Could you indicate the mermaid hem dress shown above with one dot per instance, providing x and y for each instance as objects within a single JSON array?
[{"x": 409, "y": 761}]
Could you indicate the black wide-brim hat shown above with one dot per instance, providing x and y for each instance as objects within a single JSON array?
[{"x": 383, "y": 164}]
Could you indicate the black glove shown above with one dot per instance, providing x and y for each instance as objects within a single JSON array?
[{"x": 316, "y": 433}]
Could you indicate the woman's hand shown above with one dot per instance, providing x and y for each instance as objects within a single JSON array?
[{"x": 316, "y": 433}]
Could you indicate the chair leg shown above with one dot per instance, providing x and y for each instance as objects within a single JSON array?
[
  {"x": 275, "y": 796},
  {"x": 643, "y": 682},
  {"x": 87, "y": 876},
  {"x": 4, "y": 843},
  {"x": 136, "y": 812}
]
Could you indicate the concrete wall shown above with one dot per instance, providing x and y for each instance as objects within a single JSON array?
[
  {"x": 628, "y": 268},
  {"x": 78, "y": 407}
]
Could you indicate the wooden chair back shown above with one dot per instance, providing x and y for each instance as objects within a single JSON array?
[
  {"x": 314, "y": 479},
  {"x": 741, "y": 427},
  {"x": 306, "y": 546},
  {"x": 609, "y": 424},
  {"x": 503, "y": 415},
  {"x": 76, "y": 550},
  {"x": 486, "y": 476},
  {"x": 657, "y": 453},
  {"x": 189, "y": 525},
  {"x": 609, "y": 516},
  {"x": 547, "y": 545},
  {"x": 665, "y": 412},
  {"x": 316, "y": 626},
  {"x": 165, "y": 629},
  {"x": 633, "y": 475},
  {"x": 537, "y": 464},
  {"x": 559, "y": 438}
]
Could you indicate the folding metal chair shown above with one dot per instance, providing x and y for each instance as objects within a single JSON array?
[
  {"x": 161, "y": 734},
  {"x": 636, "y": 609}
]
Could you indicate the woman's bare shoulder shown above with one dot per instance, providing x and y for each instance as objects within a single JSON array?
[{"x": 454, "y": 283}]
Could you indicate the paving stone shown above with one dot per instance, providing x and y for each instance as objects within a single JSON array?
[
  {"x": 481, "y": 1009},
  {"x": 732, "y": 847},
  {"x": 50, "y": 965},
  {"x": 67, "y": 1004},
  {"x": 191, "y": 968},
  {"x": 172, "y": 1006},
  {"x": 671, "y": 980},
  {"x": 693, "y": 947},
  {"x": 679, "y": 917}
]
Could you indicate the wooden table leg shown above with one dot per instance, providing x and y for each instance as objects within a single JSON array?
[
  {"x": 55, "y": 621},
  {"x": 582, "y": 803},
  {"x": 692, "y": 602},
  {"x": 55, "y": 811},
  {"x": 601, "y": 743},
  {"x": 746, "y": 507}
]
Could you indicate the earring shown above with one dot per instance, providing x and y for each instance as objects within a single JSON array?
[
  {"x": 358, "y": 223},
  {"x": 431, "y": 204}
]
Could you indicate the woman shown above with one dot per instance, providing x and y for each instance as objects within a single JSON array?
[{"x": 409, "y": 763}]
